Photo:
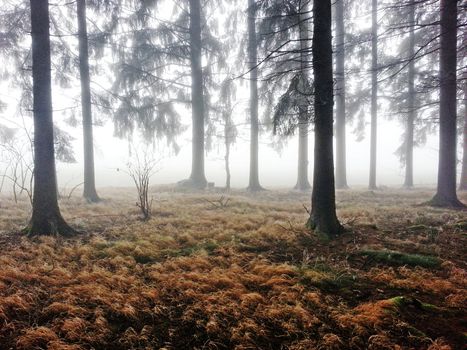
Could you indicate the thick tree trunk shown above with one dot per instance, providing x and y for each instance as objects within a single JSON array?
[
  {"x": 409, "y": 130},
  {"x": 89, "y": 192},
  {"x": 374, "y": 92},
  {"x": 323, "y": 213},
  {"x": 46, "y": 217},
  {"x": 254, "y": 184},
  {"x": 341, "y": 164},
  {"x": 446, "y": 190},
  {"x": 197, "y": 178},
  {"x": 302, "y": 176}
]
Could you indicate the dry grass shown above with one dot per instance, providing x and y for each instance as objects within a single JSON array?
[{"x": 242, "y": 276}]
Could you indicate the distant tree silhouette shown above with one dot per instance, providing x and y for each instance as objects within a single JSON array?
[
  {"x": 287, "y": 92},
  {"x": 253, "y": 183},
  {"x": 409, "y": 130},
  {"x": 341, "y": 163},
  {"x": 463, "y": 181},
  {"x": 89, "y": 192},
  {"x": 374, "y": 93},
  {"x": 197, "y": 178}
]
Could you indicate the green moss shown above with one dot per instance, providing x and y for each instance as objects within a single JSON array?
[
  {"x": 399, "y": 301},
  {"x": 396, "y": 258},
  {"x": 402, "y": 302}
]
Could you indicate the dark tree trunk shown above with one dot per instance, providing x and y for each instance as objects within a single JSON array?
[
  {"x": 89, "y": 179},
  {"x": 446, "y": 190},
  {"x": 46, "y": 217},
  {"x": 374, "y": 92},
  {"x": 323, "y": 213},
  {"x": 409, "y": 130},
  {"x": 302, "y": 176},
  {"x": 254, "y": 184},
  {"x": 341, "y": 164},
  {"x": 197, "y": 178}
]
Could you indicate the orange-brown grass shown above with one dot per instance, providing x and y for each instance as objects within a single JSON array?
[{"x": 245, "y": 276}]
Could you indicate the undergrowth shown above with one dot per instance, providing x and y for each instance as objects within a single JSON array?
[{"x": 247, "y": 275}]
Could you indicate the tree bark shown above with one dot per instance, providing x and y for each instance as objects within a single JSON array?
[
  {"x": 197, "y": 178},
  {"x": 254, "y": 184},
  {"x": 446, "y": 190},
  {"x": 374, "y": 92},
  {"x": 46, "y": 217},
  {"x": 323, "y": 216},
  {"x": 302, "y": 176},
  {"x": 89, "y": 192},
  {"x": 341, "y": 164},
  {"x": 409, "y": 131}
]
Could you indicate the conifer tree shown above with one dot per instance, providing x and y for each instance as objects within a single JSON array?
[
  {"x": 323, "y": 216},
  {"x": 46, "y": 217}
]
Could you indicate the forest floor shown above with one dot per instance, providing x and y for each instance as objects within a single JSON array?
[{"x": 236, "y": 271}]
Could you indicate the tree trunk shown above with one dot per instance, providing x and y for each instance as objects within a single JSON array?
[
  {"x": 254, "y": 184},
  {"x": 197, "y": 177},
  {"x": 46, "y": 217},
  {"x": 446, "y": 190},
  {"x": 374, "y": 92},
  {"x": 323, "y": 213},
  {"x": 341, "y": 166},
  {"x": 463, "y": 182},
  {"x": 302, "y": 176},
  {"x": 89, "y": 179},
  {"x": 227, "y": 160},
  {"x": 409, "y": 132}
]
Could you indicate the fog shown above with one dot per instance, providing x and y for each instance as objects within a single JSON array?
[
  {"x": 219, "y": 174},
  {"x": 277, "y": 168}
]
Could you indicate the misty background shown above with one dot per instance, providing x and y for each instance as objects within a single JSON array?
[{"x": 277, "y": 163}]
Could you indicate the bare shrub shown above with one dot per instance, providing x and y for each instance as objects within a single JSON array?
[
  {"x": 141, "y": 168},
  {"x": 17, "y": 158}
]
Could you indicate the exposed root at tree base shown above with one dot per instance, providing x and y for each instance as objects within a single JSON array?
[
  {"x": 255, "y": 189},
  {"x": 443, "y": 202},
  {"x": 190, "y": 184},
  {"x": 52, "y": 226}
]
